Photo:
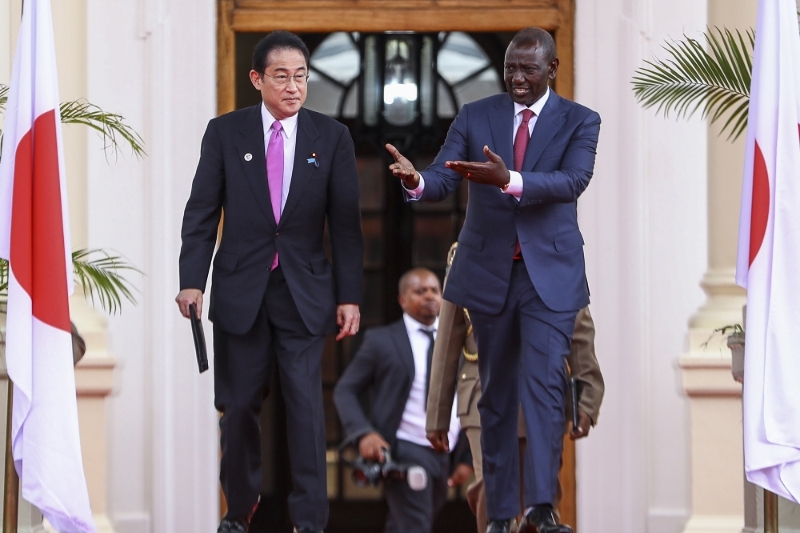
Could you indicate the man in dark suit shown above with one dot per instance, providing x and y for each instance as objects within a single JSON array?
[
  {"x": 454, "y": 370},
  {"x": 393, "y": 364},
  {"x": 521, "y": 248},
  {"x": 278, "y": 172}
]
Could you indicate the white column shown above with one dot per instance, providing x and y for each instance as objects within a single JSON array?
[
  {"x": 154, "y": 61},
  {"x": 715, "y": 399},
  {"x": 643, "y": 218}
]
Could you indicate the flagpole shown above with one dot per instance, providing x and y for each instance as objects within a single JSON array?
[
  {"x": 770, "y": 512},
  {"x": 11, "y": 481}
]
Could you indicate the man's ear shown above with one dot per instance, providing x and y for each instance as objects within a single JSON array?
[
  {"x": 255, "y": 79},
  {"x": 553, "y": 68}
]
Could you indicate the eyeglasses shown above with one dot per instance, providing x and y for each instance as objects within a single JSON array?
[{"x": 283, "y": 79}]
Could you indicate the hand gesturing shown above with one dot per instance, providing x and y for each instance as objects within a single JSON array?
[
  {"x": 403, "y": 169},
  {"x": 491, "y": 172}
]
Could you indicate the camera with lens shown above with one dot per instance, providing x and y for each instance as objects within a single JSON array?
[{"x": 371, "y": 472}]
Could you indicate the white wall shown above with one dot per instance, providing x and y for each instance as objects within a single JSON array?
[
  {"x": 154, "y": 61},
  {"x": 644, "y": 222}
]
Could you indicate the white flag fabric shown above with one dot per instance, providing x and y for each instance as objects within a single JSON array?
[
  {"x": 34, "y": 237},
  {"x": 768, "y": 264}
]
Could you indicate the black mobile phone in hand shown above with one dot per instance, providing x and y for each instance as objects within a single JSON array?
[
  {"x": 199, "y": 339},
  {"x": 575, "y": 387}
]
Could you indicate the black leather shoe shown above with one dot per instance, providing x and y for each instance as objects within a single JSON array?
[
  {"x": 500, "y": 526},
  {"x": 229, "y": 525},
  {"x": 307, "y": 530},
  {"x": 540, "y": 519}
]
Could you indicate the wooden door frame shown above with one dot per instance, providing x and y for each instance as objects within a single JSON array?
[{"x": 556, "y": 16}]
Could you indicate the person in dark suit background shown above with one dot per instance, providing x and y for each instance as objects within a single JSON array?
[
  {"x": 454, "y": 369},
  {"x": 392, "y": 363},
  {"x": 521, "y": 247},
  {"x": 279, "y": 172}
]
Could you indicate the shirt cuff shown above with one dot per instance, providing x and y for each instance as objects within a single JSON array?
[
  {"x": 514, "y": 184},
  {"x": 416, "y": 194}
]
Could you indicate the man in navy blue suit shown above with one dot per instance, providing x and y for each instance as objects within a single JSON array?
[{"x": 520, "y": 268}]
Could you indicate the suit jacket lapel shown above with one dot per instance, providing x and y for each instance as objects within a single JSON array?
[
  {"x": 303, "y": 170},
  {"x": 502, "y": 124},
  {"x": 252, "y": 144},
  {"x": 547, "y": 125},
  {"x": 403, "y": 345}
]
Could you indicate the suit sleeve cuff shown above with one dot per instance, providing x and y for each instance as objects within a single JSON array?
[{"x": 415, "y": 194}]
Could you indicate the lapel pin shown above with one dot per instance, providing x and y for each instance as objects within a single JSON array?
[
  {"x": 248, "y": 156},
  {"x": 313, "y": 159}
]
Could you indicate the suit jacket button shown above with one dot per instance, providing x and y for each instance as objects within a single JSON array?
[
  {"x": 463, "y": 376},
  {"x": 277, "y": 235}
]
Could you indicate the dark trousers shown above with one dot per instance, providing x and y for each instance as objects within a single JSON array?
[
  {"x": 242, "y": 366},
  {"x": 413, "y": 511},
  {"x": 522, "y": 362}
]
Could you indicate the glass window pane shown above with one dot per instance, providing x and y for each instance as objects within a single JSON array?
[
  {"x": 484, "y": 85},
  {"x": 350, "y": 109},
  {"x": 323, "y": 95},
  {"x": 459, "y": 57},
  {"x": 337, "y": 57},
  {"x": 444, "y": 102}
]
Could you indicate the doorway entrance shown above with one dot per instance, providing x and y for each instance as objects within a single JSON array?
[{"x": 398, "y": 235}]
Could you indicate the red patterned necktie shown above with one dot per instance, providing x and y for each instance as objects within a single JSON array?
[
  {"x": 521, "y": 139},
  {"x": 275, "y": 174},
  {"x": 520, "y": 146}
]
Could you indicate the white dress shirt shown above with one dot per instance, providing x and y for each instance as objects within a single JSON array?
[
  {"x": 289, "y": 133},
  {"x": 412, "y": 424},
  {"x": 515, "y": 178}
]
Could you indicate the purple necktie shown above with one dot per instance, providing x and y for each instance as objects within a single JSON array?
[
  {"x": 275, "y": 174},
  {"x": 520, "y": 146}
]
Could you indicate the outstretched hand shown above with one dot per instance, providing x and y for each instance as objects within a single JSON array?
[
  {"x": 491, "y": 172},
  {"x": 403, "y": 169}
]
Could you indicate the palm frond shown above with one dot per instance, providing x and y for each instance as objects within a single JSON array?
[
  {"x": 3, "y": 96},
  {"x": 110, "y": 125},
  {"x": 98, "y": 277},
  {"x": 116, "y": 133},
  {"x": 715, "y": 81},
  {"x": 3, "y": 276},
  {"x": 101, "y": 277}
]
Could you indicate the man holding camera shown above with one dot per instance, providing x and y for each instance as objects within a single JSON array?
[{"x": 393, "y": 364}]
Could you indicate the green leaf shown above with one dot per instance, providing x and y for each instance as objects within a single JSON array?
[
  {"x": 116, "y": 133},
  {"x": 3, "y": 277},
  {"x": 715, "y": 82},
  {"x": 110, "y": 125},
  {"x": 101, "y": 277}
]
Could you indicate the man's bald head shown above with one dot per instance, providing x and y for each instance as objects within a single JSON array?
[{"x": 420, "y": 295}]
